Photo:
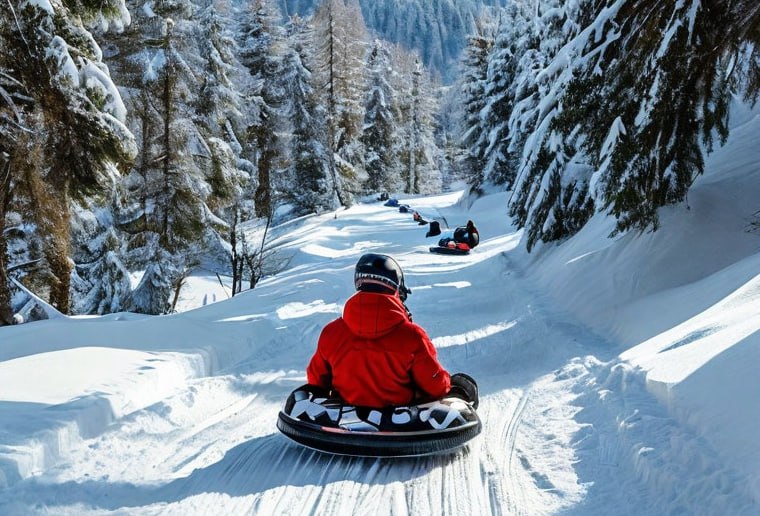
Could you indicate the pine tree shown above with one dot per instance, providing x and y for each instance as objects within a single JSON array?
[
  {"x": 340, "y": 40},
  {"x": 548, "y": 201},
  {"x": 418, "y": 151},
  {"x": 311, "y": 188},
  {"x": 682, "y": 96},
  {"x": 105, "y": 281},
  {"x": 378, "y": 135},
  {"x": 261, "y": 54},
  {"x": 73, "y": 113},
  {"x": 472, "y": 84},
  {"x": 184, "y": 168},
  {"x": 12, "y": 127},
  {"x": 223, "y": 117},
  {"x": 628, "y": 98},
  {"x": 492, "y": 147},
  {"x": 475, "y": 66}
]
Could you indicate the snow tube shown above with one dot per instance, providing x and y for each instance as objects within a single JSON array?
[
  {"x": 330, "y": 425},
  {"x": 460, "y": 249},
  {"x": 450, "y": 246},
  {"x": 449, "y": 250}
]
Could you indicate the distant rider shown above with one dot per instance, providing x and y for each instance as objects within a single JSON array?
[{"x": 465, "y": 237}]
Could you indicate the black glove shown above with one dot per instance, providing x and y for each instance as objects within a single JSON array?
[{"x": 464, "y": 387}]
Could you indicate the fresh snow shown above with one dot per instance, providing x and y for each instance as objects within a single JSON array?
[{"x": 617, "y": 375}]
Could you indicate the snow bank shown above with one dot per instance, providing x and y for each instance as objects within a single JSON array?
[
  {"x": 684, "y": 299},
  {"x": 48, "y": 411}
]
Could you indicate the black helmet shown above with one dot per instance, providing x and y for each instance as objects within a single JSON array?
[{"x": 380, "y": 273}]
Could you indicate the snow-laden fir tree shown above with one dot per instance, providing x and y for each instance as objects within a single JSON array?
[
  {"x": 72, "y": 124},
  {"x": 12, "y": 127},
  {"x": 549, "y": 203},
  {"x": 651, "y": 139},
  {"x": 311, "y": 180},
  {"x": 163, "y": 214},
  {"x": 222, "y": 109},
  {"x": 379, "y": 137},
  {"x": 109, "y": 289},
  {"x": 631, "y": 99},
  {"x": 417, "y": 150},
  {"x": 184, "y": 169},
  {"x": 261, "y": 50},
  {"x": 340, "y": 40},
  {"x": 490, "y": 130},
  {"x": 472, "y": 84}
]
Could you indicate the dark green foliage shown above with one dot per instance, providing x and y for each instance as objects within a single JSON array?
[
  {"x": 473, "y": 84},
  {"x": 69, "y": 125},
  {"x": 378, "y": 136},
  {"x": 639, "y": 115},
  {"x": 260, "y": 54},
  {"x": 663, "y": 157}
]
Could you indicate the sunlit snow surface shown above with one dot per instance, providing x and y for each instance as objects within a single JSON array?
[{"x": 617, "y": 376}]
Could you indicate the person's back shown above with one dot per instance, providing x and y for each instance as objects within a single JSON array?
[
  {"x": 377, "y": 356},
  {"x": 374, "y": 355},
  {"x": 467, "y": 234}
]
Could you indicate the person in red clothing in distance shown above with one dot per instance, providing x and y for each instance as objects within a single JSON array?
[{"x": 374, "y": 355}]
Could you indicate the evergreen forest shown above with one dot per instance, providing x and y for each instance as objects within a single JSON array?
[{"x": 146, "y": 139}]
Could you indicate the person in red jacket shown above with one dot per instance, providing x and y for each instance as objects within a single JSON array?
[{"x": 374, "y": 355}]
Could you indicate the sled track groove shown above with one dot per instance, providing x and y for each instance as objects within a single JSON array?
[
  {"x": 515, "y": 493},
  {"x": 498, "y": 469}
]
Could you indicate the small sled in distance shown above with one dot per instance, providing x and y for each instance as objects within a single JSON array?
[{"x": 457, "y": 249}]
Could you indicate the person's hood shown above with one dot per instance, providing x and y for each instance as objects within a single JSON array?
[{"x": 370, "y": 315}]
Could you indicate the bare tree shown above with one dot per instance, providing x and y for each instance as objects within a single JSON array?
[{"x": 244, "y": 257}]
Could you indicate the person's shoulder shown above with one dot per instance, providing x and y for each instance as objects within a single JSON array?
[
  {"x": 335, "y": 325},
  {"x": 414, "y": 332}
]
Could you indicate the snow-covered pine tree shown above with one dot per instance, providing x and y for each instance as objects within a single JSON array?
[
  {"x": 222, "y": 110},
  {"x": 163, "y": 206},
  {"x": 261, "y": 53},
  {"x": 684, "y": 55},
  {"x": 341, "y": 45},
  {"x": 472, "y": 85},
  {"x": 551, "y": 183},
  {"x": 511, "y": 46},
  {"x": 73, "y": 118},
  {"x": 418, "y": 152},
  {"x": 634, "y": 96},
  {"x": 168, "y": 218},
  {"x": 311, "y": 181},
  {"x": 379, "y": 137},
  {"x": 107, "y": 288},
  {"x": 12, "y": 127}
]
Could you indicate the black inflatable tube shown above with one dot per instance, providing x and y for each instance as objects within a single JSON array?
[{"x": 377, "y": 444}]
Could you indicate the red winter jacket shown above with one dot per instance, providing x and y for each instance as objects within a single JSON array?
[{"x": 375, "y": 356}]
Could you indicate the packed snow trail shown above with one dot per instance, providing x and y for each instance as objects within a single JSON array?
[{"x": 208, "y": 444}]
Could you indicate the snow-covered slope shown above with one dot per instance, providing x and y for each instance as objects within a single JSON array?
[{"x": 617, "y": 375}]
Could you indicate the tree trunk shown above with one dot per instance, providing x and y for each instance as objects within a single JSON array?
[
  {"x": 6, "y": 313},
  {"x": 263, "y": 194},
  {"x": 58, "y": 250},
  {"x": 234, "y": 255}
]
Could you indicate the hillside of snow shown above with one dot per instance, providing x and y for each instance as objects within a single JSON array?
[{"x": 617, "y": 375}]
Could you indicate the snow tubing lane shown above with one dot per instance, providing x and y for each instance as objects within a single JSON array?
[
  {"x": 328, "y": 425},
  {"x": 448, "y": 250}
]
